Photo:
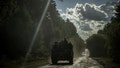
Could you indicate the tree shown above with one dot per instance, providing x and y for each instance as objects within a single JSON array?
[
  {"x": 96, "y": 45},
  {"x": 18, "y": 21},
  {"x": 112, "y": 32}
]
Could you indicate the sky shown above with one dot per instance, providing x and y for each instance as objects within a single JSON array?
[{"x": 88, "y": 16}]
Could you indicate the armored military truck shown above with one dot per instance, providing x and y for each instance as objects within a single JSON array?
[{"x": 62, "y": 51}]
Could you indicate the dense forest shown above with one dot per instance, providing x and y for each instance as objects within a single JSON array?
[
  {"x": 20, "y": 18},
  {"x": 18, "y": 23},
  {"x": 106, "y": 42}
]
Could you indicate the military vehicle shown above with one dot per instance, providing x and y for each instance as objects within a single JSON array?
[{"x": 62, "y": 51}]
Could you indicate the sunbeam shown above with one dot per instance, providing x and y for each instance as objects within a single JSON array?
[{"x": 36, "y": 33}]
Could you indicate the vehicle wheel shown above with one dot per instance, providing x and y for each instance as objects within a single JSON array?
[
  {"x": 54, "y": 61},
  {"x": 71, "y": 61}
]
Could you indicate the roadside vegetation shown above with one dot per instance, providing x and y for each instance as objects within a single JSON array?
[
  {"x": 18, "y": 22},
  {"x": 105, "y": 44}
]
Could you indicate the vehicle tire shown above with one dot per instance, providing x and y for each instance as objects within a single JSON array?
[
  {"x": 54, "y": 61},
  {"x": 71, "y": 61}
]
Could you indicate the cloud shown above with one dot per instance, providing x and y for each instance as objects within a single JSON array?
[
  {"x": 93, "y": 12},
  {"x": 86, "y": 27},
  {"x": 61, "y": 0},
  {"x": 88, "y": 18}
]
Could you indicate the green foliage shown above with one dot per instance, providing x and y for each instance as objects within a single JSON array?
[
  {"x": 18, "y": 21},
  {"x": 114, "y": 36},
  {"x": 112, "y": 33},
  {"x": 96, "y": 45},
  {"x": 117, "y": 14}
]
